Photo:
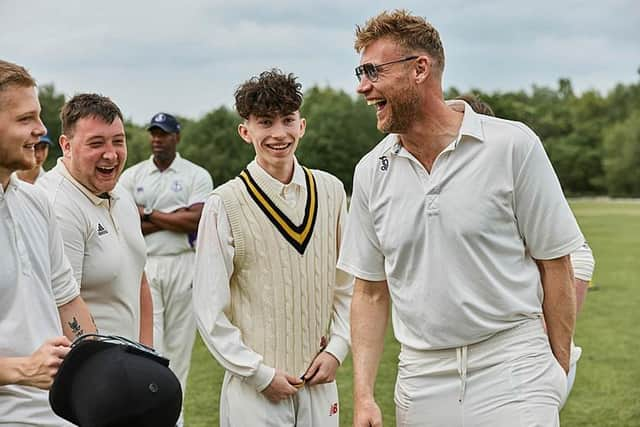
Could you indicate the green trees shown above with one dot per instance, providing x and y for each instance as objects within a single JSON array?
[
  {"x": 573, "y": 129},
  {"x": 593, "y": 140},
  {"x": 213, "y": 143},
  {"x": 51, "y": 102},
  {"x": 340, "y": 130},
  {"x": 622, "y": 157}
]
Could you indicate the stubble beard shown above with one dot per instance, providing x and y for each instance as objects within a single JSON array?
[
  {"x": 404, "y": 111},
  {"x": 20, "y": 163}
]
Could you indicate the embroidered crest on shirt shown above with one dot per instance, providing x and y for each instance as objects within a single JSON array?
[
  {"x": 298, "y": 235},
  {"x": 139, "y": 189},
  {"x": 384, "y": 163},
  {"x": 176, "y": 186},
  {"x": 101, "y": 230}
]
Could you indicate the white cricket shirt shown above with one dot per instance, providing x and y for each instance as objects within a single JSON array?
[
  {"x": 104, "y": 244},
  {"x": 179, "y": 186},
  {"x": 457, "y": 245},
  {"x": 35, "y": 278}
]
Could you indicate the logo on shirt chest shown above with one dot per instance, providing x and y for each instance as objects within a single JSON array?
[
  {"x": 384, "y": 163},
  {"x": 176, "y": 186},
  {"x": 101, "y": 230}
]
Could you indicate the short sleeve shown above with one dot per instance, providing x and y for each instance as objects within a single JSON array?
[
  {"x": 202, "y": 187},
  {"x": 63, "y": 283},
  {"x": 73, "y": 234},
  {"x": 545, "y": 221},
  {"x": 125, "y": 182},
  {"x": 360, "y": 252}
]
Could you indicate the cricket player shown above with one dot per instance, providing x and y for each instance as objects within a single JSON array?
[
  {"x": 270, "y": 304},
  {"x": 458, "y": 224}
]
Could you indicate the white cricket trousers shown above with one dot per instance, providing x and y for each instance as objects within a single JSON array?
[
  {"x": 174, "y": 329},
  {"x": 242, "y": 406},
  {"x": 509, "y": 380}
]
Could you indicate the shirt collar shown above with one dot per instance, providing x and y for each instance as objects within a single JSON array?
[
  {"x": 61, "y": 168},
  {"x": 391, "y": 144},
  {"x": 471, "y": 126},
  {"x": 175, "y": 166},
  {"x": 471, "y": 121},
  {"x": 12, "y": 186},
  {"x": 298, "y": 178}
]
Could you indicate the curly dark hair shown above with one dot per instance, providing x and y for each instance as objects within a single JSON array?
[{"x": 270, "y": 93}]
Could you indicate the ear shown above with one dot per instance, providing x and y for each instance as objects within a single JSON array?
[
  {"x": 243, "y": 131},
  {"x": 65, "y": 145},
  {"x": 303, "y": 126},
  {"x": 423, "y": 69}
]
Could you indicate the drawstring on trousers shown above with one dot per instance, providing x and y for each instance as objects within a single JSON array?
[{"x": 461, "y": 358}]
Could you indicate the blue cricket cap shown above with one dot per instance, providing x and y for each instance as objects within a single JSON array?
[
  {"x": 45, "y": 138},
  {"x": 164, "y": 121}
]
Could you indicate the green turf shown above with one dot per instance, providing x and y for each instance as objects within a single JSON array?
[{"x": 607, "y": 388}]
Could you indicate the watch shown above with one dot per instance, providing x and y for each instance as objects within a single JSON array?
[{"x": 146, "y": 214}]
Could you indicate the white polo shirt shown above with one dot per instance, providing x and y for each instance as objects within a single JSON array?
[
  {"x": 104, "y": 244},
  {"x": 179, "y": 186},
  {"x": 35, "y": 277},
  {"x": 457, "y": 245}
]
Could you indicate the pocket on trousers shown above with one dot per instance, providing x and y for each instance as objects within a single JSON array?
[
  {"x": 563, "y": 380},
  {"x": 402, "y": 400},
  {"x": 539, "y": 379}
]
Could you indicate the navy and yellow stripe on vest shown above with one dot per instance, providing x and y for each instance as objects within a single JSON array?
[{"x": 298, "y": 236}]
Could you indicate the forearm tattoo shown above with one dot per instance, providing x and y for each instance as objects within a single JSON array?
[{"x": 75, "y": 327}]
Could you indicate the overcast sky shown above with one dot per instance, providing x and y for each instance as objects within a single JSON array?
[{"x": 188, "y": 56}]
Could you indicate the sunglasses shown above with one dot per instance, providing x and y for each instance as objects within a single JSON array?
[{"x": 372, "y": 70}]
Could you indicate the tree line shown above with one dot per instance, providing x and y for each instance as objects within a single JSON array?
[{"x": 593, "y": 140}]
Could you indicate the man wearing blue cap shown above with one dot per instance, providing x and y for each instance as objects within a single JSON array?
[
  {"x": 170, "y": 192},
  {"x": 40, "y": 151}
]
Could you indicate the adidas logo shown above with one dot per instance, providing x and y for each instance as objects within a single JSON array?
[{"x": 101, "y": 230}]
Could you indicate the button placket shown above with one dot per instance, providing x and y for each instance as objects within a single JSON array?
[{"x": 432, "y": 197}]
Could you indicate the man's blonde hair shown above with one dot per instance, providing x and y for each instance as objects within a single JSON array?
[
  {"x": 12, "y": 75},
  {"x": 413, "y": 33}
]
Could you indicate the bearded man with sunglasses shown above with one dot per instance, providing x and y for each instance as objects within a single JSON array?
[{"x": 459, "y": 223}]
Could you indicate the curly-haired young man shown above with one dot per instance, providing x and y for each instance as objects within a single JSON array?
[
  {"x": 458, "y": 222},
  {"x": 270, "y": 304}
]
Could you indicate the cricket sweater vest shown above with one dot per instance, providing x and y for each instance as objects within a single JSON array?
[{"x": 284, "y": 266}]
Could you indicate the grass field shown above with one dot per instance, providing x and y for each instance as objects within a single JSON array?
[{"x": 607, "y": 388}]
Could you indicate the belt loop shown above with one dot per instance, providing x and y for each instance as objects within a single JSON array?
[{"x": 461, "y": 356}]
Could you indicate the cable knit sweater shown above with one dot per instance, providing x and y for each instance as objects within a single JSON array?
[{"x": 284, "y": 266}]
